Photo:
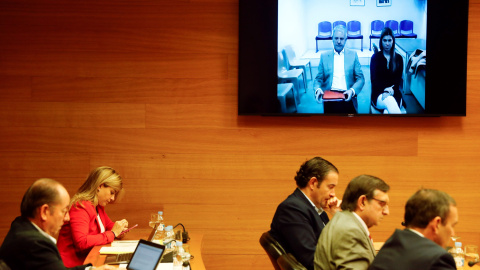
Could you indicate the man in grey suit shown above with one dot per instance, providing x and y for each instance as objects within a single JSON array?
[
  {"x": 345, "y": 242},
  {"x": 339, "y": 69}
]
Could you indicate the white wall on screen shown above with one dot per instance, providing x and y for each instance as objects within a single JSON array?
[
  {"x": 292, "y": 25},
  {"x": 301, "y": 28}
]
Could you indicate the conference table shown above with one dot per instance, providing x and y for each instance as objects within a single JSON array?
[{"x": 195, "y": 242}]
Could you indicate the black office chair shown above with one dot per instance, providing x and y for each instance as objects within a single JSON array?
[
  {"x": 288, "y": 262},
  {"x": 273, "y": 248},
  {"x": 3, "y": 265}
]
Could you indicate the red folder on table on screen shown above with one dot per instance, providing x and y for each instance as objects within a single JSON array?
[{"x": 332, "y": 95}]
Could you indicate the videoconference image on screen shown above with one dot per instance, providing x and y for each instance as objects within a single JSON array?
[
  {"x": 363, "y": 24},
  {"x": 358, "y": 57}
]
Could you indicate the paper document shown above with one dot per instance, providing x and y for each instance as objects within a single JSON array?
[
  {"x": 117, "y": 250},
  {"x": 165, "y": 266},
  {"x": 160, "y": 266},
  {"x": 124, "y": 243}
]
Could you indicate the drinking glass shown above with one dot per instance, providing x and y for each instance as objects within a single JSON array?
[
  {"x": 154, "y": 217},
  {"x": 471, "y": 253},
  {"x": 186, "y": 254}
]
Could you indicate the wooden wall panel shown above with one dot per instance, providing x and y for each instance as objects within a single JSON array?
[
  {"x": 15, "y": 89},
  {"x": 150, "y": 88},
  {"x": 113, "y": 64},
  {"x": 208, "y": 140},
  {"x": 77, "y": 115},
  {"x": 134, "y": 90}
]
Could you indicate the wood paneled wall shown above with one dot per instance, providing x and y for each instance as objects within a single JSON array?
[{"x": 150, "y": 88}]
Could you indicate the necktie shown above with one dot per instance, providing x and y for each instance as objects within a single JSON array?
[{"x": 324, "y": 218}]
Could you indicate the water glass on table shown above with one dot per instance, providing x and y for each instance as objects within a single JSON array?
[
  {"x": 471, "y": 253},
  {"x": 154, "y": 217}
]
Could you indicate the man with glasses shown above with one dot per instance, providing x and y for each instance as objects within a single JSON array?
[{"x": 345, "y": 242}]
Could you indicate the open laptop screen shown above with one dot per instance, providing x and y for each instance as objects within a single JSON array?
[{"x": 147, "y": 255}]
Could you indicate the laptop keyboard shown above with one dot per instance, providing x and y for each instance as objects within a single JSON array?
[{"x": 124, "y": 257}]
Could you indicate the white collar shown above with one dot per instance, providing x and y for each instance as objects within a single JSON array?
[
  {"x": 417, "y": 232},
  {"x": 44, "y": 233},
  {"x": 364, "y": 225},
  {"x": 342, "y": 52},
  {"x": 319, "y": 210}
]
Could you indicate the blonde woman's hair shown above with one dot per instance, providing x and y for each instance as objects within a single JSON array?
[{"x": 101, "y": 175}]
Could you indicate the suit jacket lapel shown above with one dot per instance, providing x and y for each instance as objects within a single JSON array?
[
  {"x": 318, "y": 218},
  {"x": 370, "y": 243}
]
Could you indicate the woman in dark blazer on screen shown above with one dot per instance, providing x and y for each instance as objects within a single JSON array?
[{"x": 386, "y": 69}]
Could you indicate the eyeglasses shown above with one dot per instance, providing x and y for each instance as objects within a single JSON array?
[{"x": 383, "y": 204}]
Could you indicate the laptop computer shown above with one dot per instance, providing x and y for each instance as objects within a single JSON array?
[
  {"x": 125, "y": 257},
  {"x": 146, "y": 256}
]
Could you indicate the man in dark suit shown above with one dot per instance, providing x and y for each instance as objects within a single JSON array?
[
  {"x": 430, "y": 216},
  {"x": 30, "y": 243},
  {"x": 339, "y": 69},
  {"x": 299, "y": 219}
]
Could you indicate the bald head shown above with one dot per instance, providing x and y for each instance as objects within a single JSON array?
[{"x": 43, "y": 191}]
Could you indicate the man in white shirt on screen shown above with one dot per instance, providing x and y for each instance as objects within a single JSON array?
[{"x": 339, "y": 69}]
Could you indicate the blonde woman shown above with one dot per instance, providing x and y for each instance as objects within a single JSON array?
[{"x": 89, "y": 223}]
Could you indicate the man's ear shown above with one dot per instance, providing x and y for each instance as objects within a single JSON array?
[
  {"x": 361, "y": 202},
  {"x": 434, "y": 224},
  {"x": 44, "y": 212},
  {"x": 312, "y": 182}
]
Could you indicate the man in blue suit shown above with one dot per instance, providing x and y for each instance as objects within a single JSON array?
[
  {"x": 339, "y": 69},
  {"x": 300, "y": 218}
]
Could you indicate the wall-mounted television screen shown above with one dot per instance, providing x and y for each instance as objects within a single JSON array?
[{"x": 353, "y": 57}]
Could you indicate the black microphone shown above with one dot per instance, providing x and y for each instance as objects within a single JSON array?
[
  {"x": 472, "y": 263},
  {"x": 185, "y": 236}
]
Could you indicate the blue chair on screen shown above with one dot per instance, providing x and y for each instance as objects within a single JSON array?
[
  {"x": 324, "y": 32},
  {"x": 294, "y": 62},
  {"x": 406, "y": 29},
  {"x": 392, "y": 24},
  {"x": 375, "y": 30},
  {"x": 339, "y": 22},
  {"x": 286, "y": 97},
  {"x": 285, "y": 75},
  {"x": 354, "y": 31}
]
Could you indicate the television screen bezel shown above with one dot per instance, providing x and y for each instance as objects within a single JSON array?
[{"x": 447, "y": 35}]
